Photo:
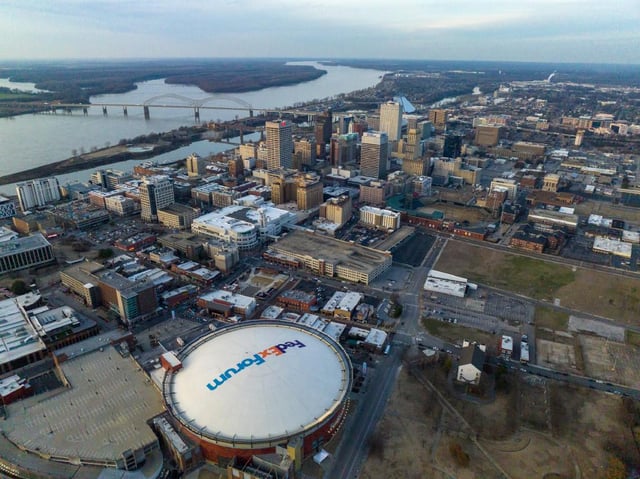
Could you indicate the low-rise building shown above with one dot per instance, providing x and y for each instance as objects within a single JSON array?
[
  {"x": 470, "y": 364},
  {"x": 297, "y": 300},
  {"x": 225, "y": 303},
  {"x": 332, "y": 257},
  {"x": 177, "y": 216},
  {"x": 22, "y": 253},
  {"x": 445, "y": 283},
  {"x": 380, "y": 218}
]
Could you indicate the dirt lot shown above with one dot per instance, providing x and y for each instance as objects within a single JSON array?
[
  {"x": 607, "y": 210},
  {"x": 611, "y": 361},
  {"x": 614, "y": 296},
  {"x": 535, "y": 429},
  {"x": 557, "y": 355},
  {"x": 459, "y": 213}
]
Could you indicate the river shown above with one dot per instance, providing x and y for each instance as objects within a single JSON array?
[{"x": 28, "y": 141}]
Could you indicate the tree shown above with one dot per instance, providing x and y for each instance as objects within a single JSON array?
[
  {"x": 105, "y": 253},
  {"x": 19, "y": 287},
  {"x": 458, "y": 454},
  {"x": 615, "y": 469}
]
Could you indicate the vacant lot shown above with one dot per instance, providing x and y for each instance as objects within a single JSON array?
[
  {"x": 459, "y": 213},
  {"x": 546, "y": 317},
  {"x": 455, "y": 333},
  {"x": 595, "y": 292},
  {"x": 607, "y": 210},
  {"x": 538, "y": 429},
  {"x": 413, "y": 249},
  {"x": 529, "y": 276},
  {"x": 610, "y": 361}
]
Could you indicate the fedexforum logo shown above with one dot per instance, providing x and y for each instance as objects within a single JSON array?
[{"x": 257, "y": 359}]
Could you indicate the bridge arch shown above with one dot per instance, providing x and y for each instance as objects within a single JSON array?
[
  {"x": 172, "y": 96},
  {"x": 232, "y": 99}
]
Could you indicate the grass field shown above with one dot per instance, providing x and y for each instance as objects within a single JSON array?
[
  {"x": 633, "y": 338},
  {"x": 455, "y": 333},
  {"x": 532, "y": 277},
  {"x": 13, "y": 96},
  {"x": 600, "y": 293},
  {"x": 552, "y": 319}
]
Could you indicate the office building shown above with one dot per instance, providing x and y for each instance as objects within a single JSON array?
[
  {"x": 195, "y": 165},
  {"x": 374, "y": 154},
  {"x": 375, "y": 193},
  {"x": 379, "y": 218},
  {"x": 487, "y": 135},
  {"x": 323, "y": 130},
  {"x": 337, "y": 210},
  {"x": 279, "y": 144},
  {"x": 417, "y": 166},
  {"x": 23, "y": 253},
  {"x": 452, "y": 146},
  {"x": 37, "y": 192},
  {"x": 391, "y": 120},
  {"x": 177, "y": 216},
  {"x": 343, "y": 149},
  {"x": 438, "y": 118},
  {"x": 156, "y": 192},
  {"x": 236, "y": 167},
  {"x": 109, "y": 179},
  {"x": 304, "y": 153},
  {"x": 7, "y": 208},
  {"x": 309, "y": 192}
]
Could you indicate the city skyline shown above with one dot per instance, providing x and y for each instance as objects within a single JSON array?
[{"x": 532, "y": 30}]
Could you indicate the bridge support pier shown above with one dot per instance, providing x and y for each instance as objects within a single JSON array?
[
  {"x": 85, "y": 111},
  {"x": 250, "y": 113},
  {"x": 241, "y": 134},
  {"x": 146, "y": 112},
  {"x": 104, "y": 110},
  {"x": 124, "y": 111},
  {"x": 196, "y": 114}
]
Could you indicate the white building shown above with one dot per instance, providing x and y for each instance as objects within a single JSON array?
[
  {"x": 505, "y": 184},
  {"x": 38, "y": 192},
  {"x": 470, "y": 365},
  {"x": 243, "y": 226},
  {"x": 156, "y": 192},
  {"x": 380, "y": 218},
  {"x": 602, "y": 244},
  {"x": 244, "y": 305},
  {"x": 445, "y": 283},
  {"x": 391, "y": 120}
]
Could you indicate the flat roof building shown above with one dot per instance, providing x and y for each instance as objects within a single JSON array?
[
  {"x": 332, "y": 257},
  {"x": 23, "y": 253}
]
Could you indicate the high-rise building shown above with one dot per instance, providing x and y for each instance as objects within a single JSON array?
[
  {"x": 438, "y": 118},
  {"x": 309, "y": 192},
  {"x": 323, "y": 130},
  {"x": 156, "y": 192},
  {"x": 38, "y": 192},
  {"x": 344, "y": 124},
  {"x": 391, "y": 120},
  {"x": 413, "y": 146},
  {"x": 452, "y": 146},
  {"x": 487, "y": 135},
  {"x": 343, "y": 149},
  {"x": 195, "y": 165},
  {"x": 279, "y": 144},
  {"x": 236, "y": 167},
  {"x": 375, "y": 193},
  {"x": 304, "y": 153},
  {"x": 337, "y": 210},
  {"x": 374, "y": 153},
  {"x": 417, "y": 167}
]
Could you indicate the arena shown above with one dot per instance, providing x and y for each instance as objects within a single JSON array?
[{"x": 245, "y": 389}]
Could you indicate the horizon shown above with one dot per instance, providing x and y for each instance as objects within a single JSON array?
[{"x": 538, "y": 31}]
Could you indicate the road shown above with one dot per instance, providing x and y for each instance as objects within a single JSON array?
[{"x": 351, "y": 453}]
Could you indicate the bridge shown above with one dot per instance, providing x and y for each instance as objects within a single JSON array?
[{"x": 182, "y": 102}]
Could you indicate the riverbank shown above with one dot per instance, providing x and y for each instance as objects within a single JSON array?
[{"x": 102, "y": 157}]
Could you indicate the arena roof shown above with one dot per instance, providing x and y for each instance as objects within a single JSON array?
[{"x": 258, "y": 382}]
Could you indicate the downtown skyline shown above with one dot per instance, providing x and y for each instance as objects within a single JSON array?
[{"x": 534, "y": 30}]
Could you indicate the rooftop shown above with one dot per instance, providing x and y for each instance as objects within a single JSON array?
[
  {"x": 103, "y": 414},
  {"x": 26, "y": 243},
  {"x": 354, "y": 256},
  {"x": 18, "y": 338}
]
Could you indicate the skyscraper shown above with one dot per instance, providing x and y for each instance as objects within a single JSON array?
[
  {"x": 323, "y": 130},
  {"x": 452, "y": 146},
  {"x": 156, "y": 192},
  {"x": 38, "y": 192},
  {"x": 391, "y": 120},
  {"x": 374, "y": 154},
  {"x": 195, "y": 165},
  {"x": 279, "y": 144}
]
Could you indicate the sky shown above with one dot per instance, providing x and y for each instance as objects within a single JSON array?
[{"x": 589, "y": 31}]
